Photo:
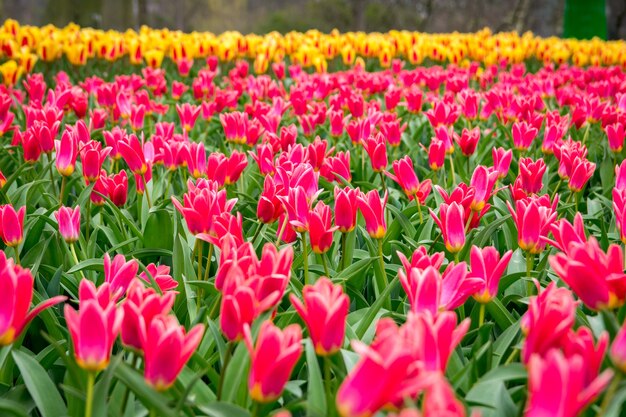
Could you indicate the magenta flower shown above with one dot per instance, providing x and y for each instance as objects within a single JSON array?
[
  {"x": 12, "y": 225},
  {"x": 119, "y": 273},
  {"x": 452, "y": 226},
  {"x": 69, "y": 223},
  {"x": 486, "y": 264},
  {"x": 372, "y": 207}
]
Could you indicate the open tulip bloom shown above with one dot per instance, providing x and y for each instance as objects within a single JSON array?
[{"x": 238, "y": 224}]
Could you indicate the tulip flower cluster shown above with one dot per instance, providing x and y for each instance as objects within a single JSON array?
[{"x": 311, "y": 224}]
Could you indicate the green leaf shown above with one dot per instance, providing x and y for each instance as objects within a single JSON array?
[
  {"x": 316, "y": 397},
  {"x": 101, "y": 390},
  {"x": 148, "y": 396},
  {"x": 13, "y": 408},
  {"x": 159, "y": 230},
  {"x": 220, "y": 409},
  {"x": 40, "y": 386}
]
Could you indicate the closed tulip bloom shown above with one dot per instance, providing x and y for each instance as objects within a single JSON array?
[
  {"x": 406, "y": 177},
  {"x": 436, "y": 154},
  {"x": 196, "y": 162},
  {"x": 16, "y": 287},
  {"x": 618, "y": 349},
  {"x": 615, "y": 134},
  {"x": 167, "y": 348},
  {"x": 69, "y": 223},
  {"x": 376, "y": 148},
  {"x": 119, "y": 273},
  {"x": 66, "y": 153},
  {"x": 317, "y": 152},
  {"x": 501, "y": 161},
  {"x": 141, "y": 306},
  {"x": 468, "y": 141},
  {"x": 187, "y": 113},
  {"x": 483, "y": 180},
  {"x": 549, "y": 319},
  {"x": 92, "y": 157},
  {"x": 597, "y": 277},
  {"x": 372, "y": 208},
  {"x": 117, "y": 188},
  {"x": 269, "y": 207},
  {"x": 94, "y": 327},
  {"x": 272, "y": 359},
  {"x": 440, "y": 400},
  {"x": 12, "y": 225},
  {"x": 237, "y": 162},
  {"x": 531, "y": 174},
  {"x": 133, "y": 153},
  {"x": 450, "y": 222},
  {"x": 557, "y": 386},
  {"x": 239, "y": 307},
  {"x": 298, "y": 208},
  {"x": 523, "y": 135},
  {"x": 582, "y": 171},
  {"x": 487, "y": 265},
  {"x": 324, "y": 311},
  {"x": 620, "y": 176},
  {"x": 320, "y": 229},
  {"x": 533, "y": 217},
  {"x": 346, "y": 206}
]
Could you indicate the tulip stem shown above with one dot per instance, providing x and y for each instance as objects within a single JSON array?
[
  {"x": 382, "y": 180},
  {"x": 281, "y": 231},
  {"x": 88, "y": 220},
  {"x": 63, "y": 182},
  {"x": 91, "y": 379},
  {"x": 481, "y": 315},
  {"x": 256, "y": 409},
  {"x": 53, "y": 184},
  {"x": 529, "y": 268},
  {"x": 419, "y": 209},
  {"x": 452, "y": 170},
  {"x": 230, "y": 347},
  {"x": 327, "y": 377},
  {"x": 383, "y": 277},
  {"x": 609, "y": 394},
  {"x": 257, "y": 232},
  {"x": 344, "y": 242},
  {"x": 305, "y": 258},
  {"x": 556, "y": 190},
  {"x": 17, "y": 255},
  {"x": 145, "y": 188},
  {"x": 325, "y": 264},
  {"x": 208, "y": 263}
]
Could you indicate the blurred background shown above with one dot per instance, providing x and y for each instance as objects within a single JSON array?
[{"x": 569, "y": 18}]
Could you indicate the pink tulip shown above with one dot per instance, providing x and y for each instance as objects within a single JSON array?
[
  {"x": 533, "y": 217},
  {"x": 317, "y": 152},
  {"x": 16, "y": 287},
  {"x": 487, "y": 265},
  {"x": 69, "y": 223},
  {"x": 167, "y": 348},
  {"x": 468, "y": 141},
  {"x": 12, "y": 225},
  {"x": 94, "y": 327},
  {"x": 597, "y": 277},
  {"x": 119, "y": 273},
  {"x": 235, "y": 126},
  {"x": 548, "y": 321},
  {"x": 384, "y": 374},
  {"x": 320, "y": 229},
  {"x": 187, "y": 113},
  {"x": 372, "y": 208},
  {"x": 133, "y": 153},
  {"x": 269, "y": 207},
  {"x": 557, "y": 386},
  {"x": 531, "y": 175},
  {"x": 501, "y": 161},
  {"x": 421, "y": 260},
  {"x": 66, "y": 153},
  {"x": 406, "y": 177},
  {"x": 298, "y": 208},
  {"x": 618, "y": 349},
  {"x": 615, "y": 134},
  {"x": 483, "y": 180},
  {"x": 272, "y": 359},
  {"x": 523, "y": 135},
  {"x": 440, "y": 400},
  {"x": 337, "y": 167},
  {"x": 346, "y": 206},
  {"x": 161, "y": 275},
  {"x": 141, "y": 306},
  {"x": 376, "y": 148},
  {"x": 582, "y": 171},
  {"x": 92, "y": 158},
  {"x": 565, "y": 232},
  {"x": 324, "y": 311},
  {"x": 452, "y": 226},
  {"x": 436, "y": 154},
  {"x": 196, "y": 163}
]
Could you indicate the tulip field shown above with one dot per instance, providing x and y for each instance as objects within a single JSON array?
[{"x": 309, "y": 224}]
